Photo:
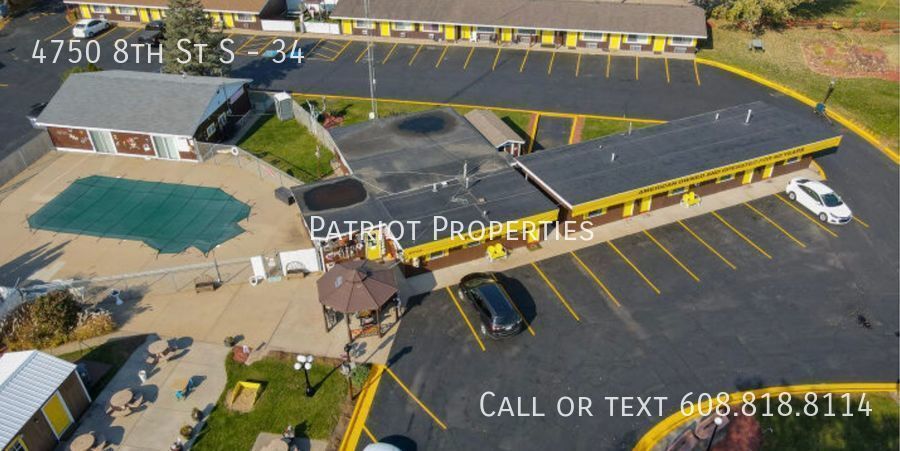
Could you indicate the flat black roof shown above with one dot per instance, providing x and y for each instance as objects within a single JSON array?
[
  {"x": 586, "y": 171},
  {"x": 406, "y": 152},
  {"x": 501, "y": 195}
]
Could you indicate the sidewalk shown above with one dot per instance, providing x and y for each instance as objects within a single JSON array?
[{"x": 554, "y": 246}]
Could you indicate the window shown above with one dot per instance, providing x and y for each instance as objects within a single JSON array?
[
  {"x": 126, "y": 10},
  {"x": 725, "y": 178},
  {"x": 222, "y": 119},
  {"x": 16, "y": 445},
  {"x": 595, "y": 37},
  {"x": 526, "y": 32},
  {"x": 792, "y": 160},
  {"x": 404, "y": 26},
  {"x": 472, "y": 244},
  {"x": 678, "y": 191},
  {"x": 366, "y": 24},
  {"x": 437, "y": 255},
  {"x": 637, "y": 39},
  {"x": 103, "y": 142},
  {"x": 430, "y": 27},
  {"x": 166, "y": 147},
  {"x": 99, "y": 9},
  {"x": 211, "y": 130},
  {"x": 486, "y": 30},
  {"x": 595, "y": 213},
  {"x": 245, "y": 17},
  {"x": 681, "y": 41}
]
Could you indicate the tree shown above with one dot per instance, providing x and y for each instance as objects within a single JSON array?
[
  {"x": 90, "y": 67},
  {"x": 756, "y": 15},
  {"x": 186, "y": 19}
]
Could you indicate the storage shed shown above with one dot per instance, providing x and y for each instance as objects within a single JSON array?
[{"x": 41, "y": 396}]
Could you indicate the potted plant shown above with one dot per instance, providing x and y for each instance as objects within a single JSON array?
[
  {"x": 186, "y": 431},
  {"x": 229, "y": 341},
  {"x": 197, "y": 414}
]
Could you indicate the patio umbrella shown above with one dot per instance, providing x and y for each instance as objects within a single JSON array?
[{"x": 356, "y": 286}]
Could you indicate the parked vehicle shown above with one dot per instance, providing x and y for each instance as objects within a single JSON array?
[
  {"x": 499, "y": 316},
  {"x": 88, "y": 28},
  {"x": 154, "y": 33},
  {"x": 821, "y": 200}
]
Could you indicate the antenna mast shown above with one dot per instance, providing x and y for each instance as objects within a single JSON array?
[{"x": 373, "y": 114}]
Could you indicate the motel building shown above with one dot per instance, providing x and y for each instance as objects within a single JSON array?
[
  {"x": 228, "y": 14},
  {"x": 436, "y": 164},
  {"x": 648, "y": 26},
  {"x": 676, "y": 163}
]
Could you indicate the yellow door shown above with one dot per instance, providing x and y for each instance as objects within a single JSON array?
[
  {"x": 155, "y": 15},
  {"x": 144, "y": 15},
  {"x": 466, "y": 32},
  {"x": 229, "y": 20},
  {"x": 571, "y": 39},
  {"x": 450, "y": 32},
  {"x": 767, "y": 172},
  {"x": 748, "y": 177},
  {"x": 506, "y": 34},
  {"x": 645, "y": 203},
  {"x": 614, "y": 41},
  {"x": 628, "y": 210},
  {"x": 85, "y": 12},
  {"x": 385, "y": 28},
  {"x": 57, "y": 415},
  {"x": 373, "y": 245},
  {"x": 546, "y": 37},
  {"x": 346, "y": 27},
  {"x": 659, "y": 44}
]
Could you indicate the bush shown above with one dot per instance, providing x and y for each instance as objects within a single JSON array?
[
  {"x": 359, "y": 375},
  {"x": 52, "y": 320},
  {"x": 872, "y": 25}
]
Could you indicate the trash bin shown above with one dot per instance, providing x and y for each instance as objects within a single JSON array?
[{"x": 285, "y": 195}]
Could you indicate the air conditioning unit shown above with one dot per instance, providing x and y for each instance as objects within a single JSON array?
[
  {"x": 635, "y": 48},
  {"x": 431, "y": 36},
  {"x": 402, "y": 34},
  {"x": 365, "y": 32},
  {"x": 680, "y": 50},
  {"x": 591, "y": 45}
]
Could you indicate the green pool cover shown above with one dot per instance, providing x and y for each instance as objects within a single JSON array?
[{"x": 169, "y": 217}]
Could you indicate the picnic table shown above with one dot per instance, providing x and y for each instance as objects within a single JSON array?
[
  {"x": 86, "y": 442},
  {"x": 757, "y": 45}
]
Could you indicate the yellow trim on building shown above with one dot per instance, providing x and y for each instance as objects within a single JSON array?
[
  {"x": 144, "y": 15},
  {"x": 450, "y": 33},
  {"x": 547, "y": 37},
  {"x": 466, "y": 32},
  {"x": 685, "y": 182},
  {"x": 57, "y": 415},
  {"x": 17, "y": 440},
  {"x": 346, "y": 27},
  {"x": 447, "y": 244},
  {"x": 767, "y": 172},
  {"x": 646, "y": 202},
  {"x": 156, "y": 14},
  {"x": 385, "y": 28},
  {"x": 659, "y": 44},
  {"x": 506, "y": 34},
  {"x": 229, "y": 20},
  {"x": 571, "y": 39},
  {"x": 85, "y": 11}
]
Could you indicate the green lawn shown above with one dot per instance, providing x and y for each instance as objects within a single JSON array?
[
  {"x": 871, "y": 102},
  {"x": 114, "y": 353},
  {"x": 858, "y": 432},
  {"x": 288, "y": 146},
  {"x": 851, "y": 9},
  {"x": 596, "y": 128},
  {"x": 281, "y": 403}
]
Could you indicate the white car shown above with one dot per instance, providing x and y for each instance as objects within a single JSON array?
[
  {"x": 88, "y": 28},
  {"x": 819, "y": 199}
]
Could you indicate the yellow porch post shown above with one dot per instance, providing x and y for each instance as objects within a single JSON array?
[
  {"x": 155, "y": 15},
  {"x": 450, "y": 32},
  {"x": 85, "y": 11},
  {"x": 466, "y": 32},
  {"x": 144, "y": 15},
  {"x": 229, "y": 20},
  {"x": 571, "y": 39},
  {"x": 659, "y": 44},
  {"x": 748, "y": 177},
  {"x": 629, "y": 209},
  {"x": 767, "y": 172},
  {"x": 506, "y": 34},
  {"x": 645, "y": 203},
  {"x": 546, "y": 37}
]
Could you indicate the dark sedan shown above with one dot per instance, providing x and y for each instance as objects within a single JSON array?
[
  {"x": 499, "y": 316},
  {"x": 153, "y": 33}
]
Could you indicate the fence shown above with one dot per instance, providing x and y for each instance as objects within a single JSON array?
[
  {"x": 278, "y": 25},
  {"x": 232, "y": 155},
  {"x": 321, "y": 133},
  {"x": 321, "y": 27},
  {"x": 24, "y": 156}
]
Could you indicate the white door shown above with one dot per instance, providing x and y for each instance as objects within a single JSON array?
[
  {"x": 103, "y": 142},
  {"x": 166, "y": 147}
]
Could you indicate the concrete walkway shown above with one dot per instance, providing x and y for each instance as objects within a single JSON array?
[
  {"x": 554, "y": 246},
  {"x": 156, "y": 425}
]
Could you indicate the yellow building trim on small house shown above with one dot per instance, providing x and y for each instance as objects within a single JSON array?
[
  {"x": 615, "y": 40},
  {"x": 85, "y": 11},
  {"x": 571, "y": 39},
  {"x": 659, "y": 44},
  {"x": 346, "y": 26}
]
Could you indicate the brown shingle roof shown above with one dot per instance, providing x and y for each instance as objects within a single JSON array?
[
  {"x": 667, "y": 18},
  {"x": 494, "y": 130},
  {"x": 240, "y": 6}
]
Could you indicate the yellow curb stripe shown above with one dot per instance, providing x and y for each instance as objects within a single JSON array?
[
  {"x": 807, "y": 216},
  {"x": 596, "y": 279},
  {"x": 555, "y": 291},
  {"x": 666, "y": 63},
  {"x": 708, "y": 246},
  {"x": 61, "y": 31},
  {"x": 496, "y": 58},
  {"x": 677, "y": 420},
  {"x": 572, "y": 130},
  {"x": 578, "y": 65},
  {"x": 818, "y": 169},
  {"x": 361, "y": 410},
  {"x": 892, "y": 154},
  {"x": 389, "y": 53},
  {"x": 633, "y": 266},
  {"x": 471, "y": 52},
  {"x": 363, "y": 53},
  {"x": 466, "y": 318},
  {"x": 672, "y": 256},
  {"x": 775, "y": 224},
  {"x": 498, "y": 108},
  {"x": 441, "y": 58},
  {"x": 550, "y": 66},
  {"x": 416, "y": 399},
  {"x": 696, "y": 72},
  {"x": 413, "y": 59},
  {"x": 524, "y": 59},
  {"x": 738, "y": 233}
]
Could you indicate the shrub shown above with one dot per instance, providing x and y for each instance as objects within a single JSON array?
[
  {"x": 872, "y": 24},
  {"x": 52, "y": 320},
  {"x": 359, "y": 375}
]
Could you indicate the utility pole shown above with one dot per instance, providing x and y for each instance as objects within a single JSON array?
[{"x": 373, "y": 114}]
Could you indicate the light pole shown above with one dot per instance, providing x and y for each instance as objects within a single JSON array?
[
  {"x": 718, "y": 422},
  {"x": 216, "y": 263},
  {"x": 304, "y": 362}
]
